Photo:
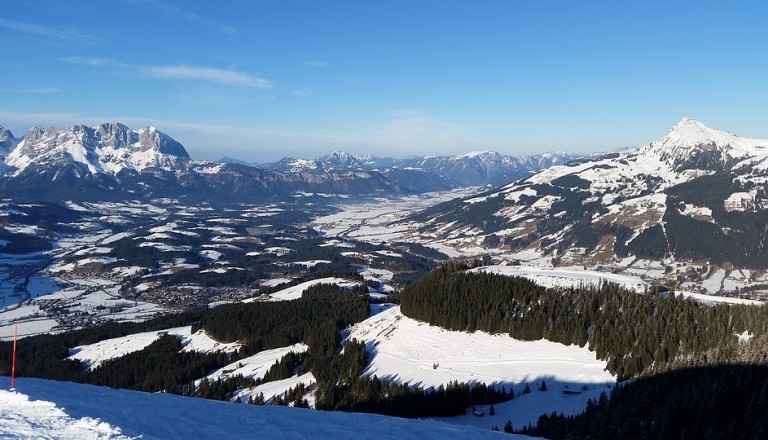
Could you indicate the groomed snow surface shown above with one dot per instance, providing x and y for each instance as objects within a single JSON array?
[{"x": 45, "y": 409}]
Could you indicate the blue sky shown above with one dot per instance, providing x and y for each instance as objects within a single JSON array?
[{"x": 261, "y": 80}]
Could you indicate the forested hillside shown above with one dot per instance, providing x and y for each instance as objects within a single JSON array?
[
  {"x": 316, "y": 319},
  {"x": 692, "y": 376},
  {"x": 726, "y": 401}
]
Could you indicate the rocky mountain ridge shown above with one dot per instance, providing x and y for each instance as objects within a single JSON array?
[
  {"x": 107, "y": 148},
  {"x": 471, "y": 169},
  {"x": 112, "y": 161}
]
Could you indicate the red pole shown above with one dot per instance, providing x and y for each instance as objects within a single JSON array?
[{"x": 13, "y": 366}]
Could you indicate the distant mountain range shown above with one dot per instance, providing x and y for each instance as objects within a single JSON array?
[
  {"x": 111, "y": 161},
  {"x": 696, "y": 195},
  {"x": 472, "y": 169}
]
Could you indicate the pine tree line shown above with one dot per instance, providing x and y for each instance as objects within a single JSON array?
[{"x": 726, "y": 401}]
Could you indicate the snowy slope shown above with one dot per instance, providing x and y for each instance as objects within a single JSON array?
[
  {"x": 405, "y": 350},
  {"x": 256, "y": 366},
  {"x": 294, "y": 292},
  {"x": 577, "y": 277},
  {"x": 93, "y": 355},
  {"x": 26, "y": 418},
  {"x": 551, "y": 277},
  {"x": 62, "y": 410}
]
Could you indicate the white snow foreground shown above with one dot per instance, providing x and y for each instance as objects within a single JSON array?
[
  {"x": 25, "y": 418},
  {"x": 44, "y": 409}
]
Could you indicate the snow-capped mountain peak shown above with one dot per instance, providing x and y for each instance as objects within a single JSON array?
[
  {"x": 7, "y": 142},
  {"x": 107, "y": 148},
  {"x": 691, "y": 144},
  {"x": 690, "y": 132},
  {"x": 674, "y": 198},
  {"x": 340, "y": 159},
  {"x": 473, "y": 154}
]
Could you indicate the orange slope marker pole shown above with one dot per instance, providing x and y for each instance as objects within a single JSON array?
[{"x": 13, "y": 362}]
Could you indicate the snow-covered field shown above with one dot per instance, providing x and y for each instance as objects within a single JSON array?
[
  {"x": 256, "y": 366},
  {"x": 715, "y": 299},
  {"x": 61, "y": 410},
  {"x": 275, "y": 388},
  {"x": 405, "y": 350},
  {"x": 29, "y": 326},
  {"x": 565, "y": 277},
  {"x": 382, "y": 220},
  {"x": 295, "y": 292},
  {"x": 574, "y": 277}
]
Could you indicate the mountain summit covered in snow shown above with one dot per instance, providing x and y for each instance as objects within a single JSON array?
[
  {"x": 112, "y": 161},
  {"x": 692, "y": 145},
  {"x": 696, "y": 196},
  {"x": 107, "y": 148},
  {"x": 472, "y": 169}
]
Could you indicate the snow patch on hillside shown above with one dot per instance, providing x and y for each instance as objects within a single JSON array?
[
  {"x": 295, "y": 292},
  {"x": 567, "y": 277},
  {"x": 93, "y": 355},
  {"x": 276, "y": 388},
  {"x": 740, "y": 201},
  {"x": 256, "y": 366}
]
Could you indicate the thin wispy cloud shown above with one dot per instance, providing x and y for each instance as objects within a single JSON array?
[
  {"x": 302, "y": 92},
  {"x": 90, "y": 61},
  {"x": 32, "y": 90},
  {"x": 211, "y": 74},
  {"x": 181, "y": 72},
  {"x": 177, "y": 12},
  {"x": 35, "y": 29}
]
